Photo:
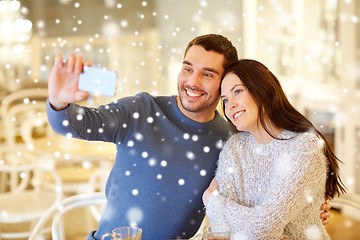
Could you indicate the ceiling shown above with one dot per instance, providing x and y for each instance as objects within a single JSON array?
[{"x": 53, "y": 18}]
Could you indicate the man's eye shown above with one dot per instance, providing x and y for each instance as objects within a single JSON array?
[
  {"x": 208, "y": 75},
  {"x": 186, "y": 69}
]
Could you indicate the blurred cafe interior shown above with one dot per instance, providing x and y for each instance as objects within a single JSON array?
[{"x": 313, "y": 46}]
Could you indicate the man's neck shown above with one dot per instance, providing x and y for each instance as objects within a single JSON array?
[{"x": 201, "y": 116}]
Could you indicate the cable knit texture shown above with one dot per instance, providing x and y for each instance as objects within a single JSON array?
[{"x": 270, "y": 191}]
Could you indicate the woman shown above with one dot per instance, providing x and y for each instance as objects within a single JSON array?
[{"x": 273, "y": 175}]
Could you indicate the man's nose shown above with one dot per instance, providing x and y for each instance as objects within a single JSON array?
[{"x": 195, "y": 80}]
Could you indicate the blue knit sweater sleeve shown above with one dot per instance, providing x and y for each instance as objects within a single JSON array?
[{"x": 110, "y": 123}]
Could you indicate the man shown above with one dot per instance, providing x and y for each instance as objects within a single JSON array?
[{"x": 167, "y": 147}]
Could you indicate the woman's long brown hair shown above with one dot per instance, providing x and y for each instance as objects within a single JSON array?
[{"x": 272, "y": 102}]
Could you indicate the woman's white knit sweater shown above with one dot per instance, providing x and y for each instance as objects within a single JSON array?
[{"x": 270, "y": 191}]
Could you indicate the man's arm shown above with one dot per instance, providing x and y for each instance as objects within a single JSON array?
[{"x": 63, "y": 81}]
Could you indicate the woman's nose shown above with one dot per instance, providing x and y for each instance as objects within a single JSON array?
[{"x": 232, "y": 104}]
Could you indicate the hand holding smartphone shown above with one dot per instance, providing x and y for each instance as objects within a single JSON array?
[{"x": 98, "y": 81}]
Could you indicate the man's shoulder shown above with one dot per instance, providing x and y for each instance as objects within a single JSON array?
[
  {"x": 142, "y": 98},
  {"x": 155, "y": 99}
]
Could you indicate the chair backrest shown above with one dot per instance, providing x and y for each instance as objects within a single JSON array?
[
  {"x": 21, "y": 171},
  {"x": 18, "y": 106},
  {"x": 66, "y": 205},
  {"x": 348, "y": 199},
  {"x": 95, "y": 199},
  {"x": 35, "y": 127}
]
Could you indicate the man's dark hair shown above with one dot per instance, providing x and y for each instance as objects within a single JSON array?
[{"x": 216, "y": 43}]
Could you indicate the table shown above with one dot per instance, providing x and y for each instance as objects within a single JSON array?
[
  {"x": 75, "y": 160},
  {"x": 72, "y": 148}
]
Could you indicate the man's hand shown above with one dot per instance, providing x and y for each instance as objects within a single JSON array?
[
  {"x": 214, "y": 186},
  {"x": 326, "y": 213},
  {"x": 63, "y": 81}
]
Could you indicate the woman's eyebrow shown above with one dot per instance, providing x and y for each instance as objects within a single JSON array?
[{"x": 232, "y": 89}]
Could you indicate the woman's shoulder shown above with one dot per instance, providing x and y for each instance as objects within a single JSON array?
[
  {"x": 307, "y": 146},
  {"x": 308, "y": 139},
  {"x": 235, "y": 143},
  {"x": 237, "y": 138}
]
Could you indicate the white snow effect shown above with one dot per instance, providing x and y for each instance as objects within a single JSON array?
[
  {"x": 203, "y": 3},
  {"x": 65, "y": 123},
  {"x": 230, "y": 170},
  {"x": 202, "y": 172},
  {"x": 239, "y": 236},
  {"x": 110, "y": 3},
  {"x": 130, "y": 143},
  {"x": 313, "y": 232},
  {"x": 350, "y": 181},
  {"x": 57, "y": 154},
  {"x": 88, "y": 130},
  {"x": 258, "y": 150},
  {"x": 181, "y": 182},
  {"x": 134, "y": 215},
  {"x": 136, "y": 115},
  {"x": 159, "y": 176},
  {"x": 163, "y": 163},
  {"x": 283, "y": 165},
  {"x": 219, "y": 144},
  {"x": 206, "y": 149},
  {"x": 110, "y": 29},
  {"x": 309, "y": 196},
  {"x": 186, "y": 136},
  {"x": 127, "y": 173},
  {"x": 139, "y": 137},
  {"x": 310, "y": 199},
  {"x": 135, "y": 192},
  {"x": 348, "y": 223},
  {"x": 101, "y": 130},
  {"x": 152, "y": 162},
  {"x": 150, "y": 120},
  {"x": 124, "y": 24},
  {"x": 190, "y": 155},
  {"x": 144, "y": 154},
  {"x": 195, "y": 138}
]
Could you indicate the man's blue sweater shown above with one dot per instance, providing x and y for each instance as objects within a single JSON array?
[{"x": 164, "y": 162}]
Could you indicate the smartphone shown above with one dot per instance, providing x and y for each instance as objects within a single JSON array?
[{"x": 98, "y": 81}]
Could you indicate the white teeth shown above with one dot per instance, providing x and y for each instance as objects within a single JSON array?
[
  {"x": 191, "y": 94},
  {"x": 238, "y": 114}
]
